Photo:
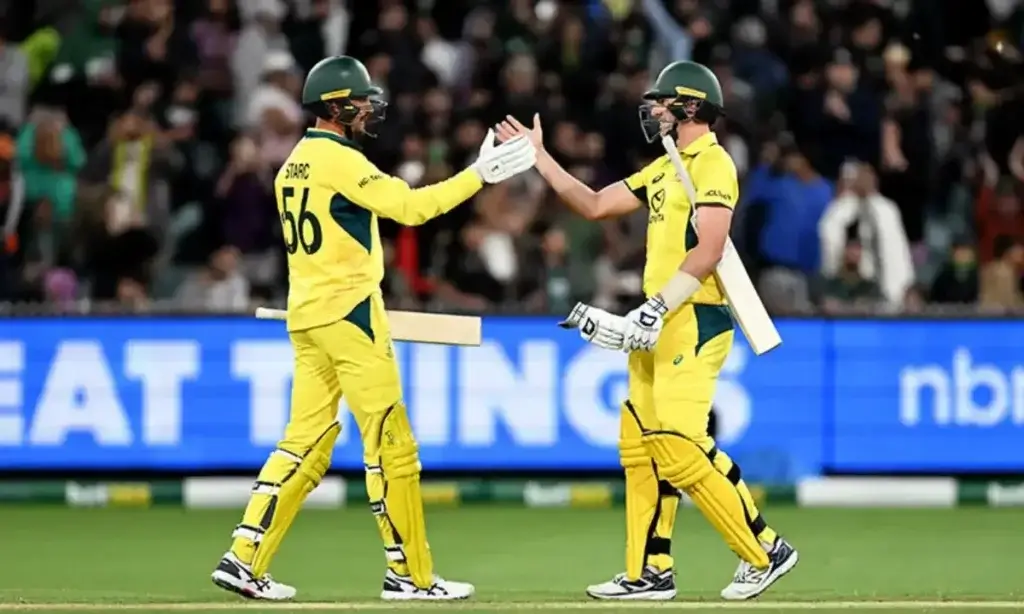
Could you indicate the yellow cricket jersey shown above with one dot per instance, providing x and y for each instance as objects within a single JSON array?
[
  {"x": 670, "y": 235},
  {"x": 329, "y": 197}
]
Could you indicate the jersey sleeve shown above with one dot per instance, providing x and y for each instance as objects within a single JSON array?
[
  {"x": 637, "y": 184},
  {"x": 366, "y": 186},
  {"x": 715, "y": 179}
]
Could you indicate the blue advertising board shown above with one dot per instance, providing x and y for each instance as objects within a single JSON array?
[{"x": 206, "y": 394}]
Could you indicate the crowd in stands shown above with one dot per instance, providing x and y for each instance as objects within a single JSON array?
[{"x": 880, "y": 145}]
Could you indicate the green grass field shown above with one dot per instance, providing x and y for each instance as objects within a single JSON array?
[{"x": 158, "y": 560}]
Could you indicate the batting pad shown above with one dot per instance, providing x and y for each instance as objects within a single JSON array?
[
  {"x": 650, "y": 513},
  {"x": 393, "y": 485},
  {"x": 685, "y": 465},
  {"x": 279, "y": 492}
]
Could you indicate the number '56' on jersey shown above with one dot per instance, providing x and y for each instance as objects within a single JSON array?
[{"x": 329, "y": 197}]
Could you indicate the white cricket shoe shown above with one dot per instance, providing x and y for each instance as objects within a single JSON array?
[
  {"x": 749, "y": 581},
  {"x": 235, "y": 576},
  {"x": 653, "y": 585},
  {"x": 402, "y": 588}
]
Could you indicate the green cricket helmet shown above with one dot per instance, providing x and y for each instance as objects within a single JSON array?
[
  {"x": 334, "y": 83},
  {"x": 690, "y": 91}
]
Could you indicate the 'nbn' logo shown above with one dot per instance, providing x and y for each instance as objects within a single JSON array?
[{"x": 967, "y": 394}]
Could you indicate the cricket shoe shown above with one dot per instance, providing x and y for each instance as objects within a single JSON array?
[
  {"x": 235, "y": 576},
  {"x": 653, "y": 585},
  {"x": 749, "y": 581},
  {"x": 402, "y": 588}
]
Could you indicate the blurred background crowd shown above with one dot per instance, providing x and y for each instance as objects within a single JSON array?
[{"x": 880, "y": 144}]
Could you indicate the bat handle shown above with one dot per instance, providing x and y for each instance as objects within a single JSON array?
[{"x": 265, "y": 313}]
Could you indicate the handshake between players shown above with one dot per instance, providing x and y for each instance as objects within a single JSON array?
[{"x": 330, "y": 198}]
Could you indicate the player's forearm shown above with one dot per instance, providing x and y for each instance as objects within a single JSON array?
[
  {"x": 573, "y": 192},
  {"x": 424, "y": 204},
  {"x": 699, "y": 263}
]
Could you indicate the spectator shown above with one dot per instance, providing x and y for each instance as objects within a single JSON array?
[
  {"x": 137, "y": 162},
  {"x": 745, "y": 108},
  {"x": 790, "y": 197},
  {"x": 218, "y": 287},
  {"x": 248, "y": 210},
  {"x": 1000, "y": 287},
  {"x": 274, "y": 113},
  {"x": 998, "y": 212},
  {"x": 926, "y": 95},
  {"x": 85, "y": 68},
  {"x": 261, "y": 34},
  {"x": 153, "y": 47},
  {"x": 119, "y": 250},
  {"x": 60, "y": 288},
  {"x": 439, "y": 55},
  {"x": 957, "y": 282},
  {"x": 215, "y": 36},
  {"x": 843, "y": 114},
  {"x": 876, "y": 222},
  {"x": 14, "y": 84},
  {"x": 754, "y": 63},
  {"x": 847, "y": 290},
  {"x": 908, "y": 156},
  {"x": 11, "y": 201},
  {"x": 468, "y": 283},
  {"x": 916, "y": 300},
  {"x": 132, "y": 295},
  {"x": 398, "y": 292},
  {"x": 49, "y": 156},
  {"x": 520, "y": 87},
  {"x": 557, "y": 296}
]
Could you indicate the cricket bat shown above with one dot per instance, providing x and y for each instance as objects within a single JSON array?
[
  {"x": 415, "y": 326},
  {"x": 744, "y": 302}
]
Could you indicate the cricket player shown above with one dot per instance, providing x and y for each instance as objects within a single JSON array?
[
  {"x": 677, "y": 343},
  {"x": 330, "y": 197}
]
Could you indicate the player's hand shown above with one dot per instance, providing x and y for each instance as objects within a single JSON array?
[
  {"x": 497, "y": 163},
  {"x": 511, "y": 128},
  {"x": 597, "y": 326},
  {"x": 643, "y": 325}
]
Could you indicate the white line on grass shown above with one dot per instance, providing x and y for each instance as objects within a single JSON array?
[{"x": 483, "y": 606}]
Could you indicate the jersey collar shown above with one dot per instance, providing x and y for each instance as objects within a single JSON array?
[
  {"x": 313, "y": 133},
  {"x": 708, "y": 140}
]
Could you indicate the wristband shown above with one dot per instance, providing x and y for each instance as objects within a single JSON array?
[{"x": 678, "y": 289}]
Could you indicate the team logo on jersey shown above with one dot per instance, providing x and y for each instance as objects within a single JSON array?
[
  {"x": 657, "y": 202},
  {"x": 657, "y": 178}
]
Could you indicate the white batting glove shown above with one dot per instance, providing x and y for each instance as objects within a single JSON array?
[
  {"x": 597, "y": 326},
  {"x": 643, "y": 325},
  {"x": 497, "y": 163}
]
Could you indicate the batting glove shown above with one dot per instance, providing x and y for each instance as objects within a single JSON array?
[
  {"x": 643, "y": 325},
  {"x": 597, "y": 326},
  {"x": 496, "y": 163}
]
